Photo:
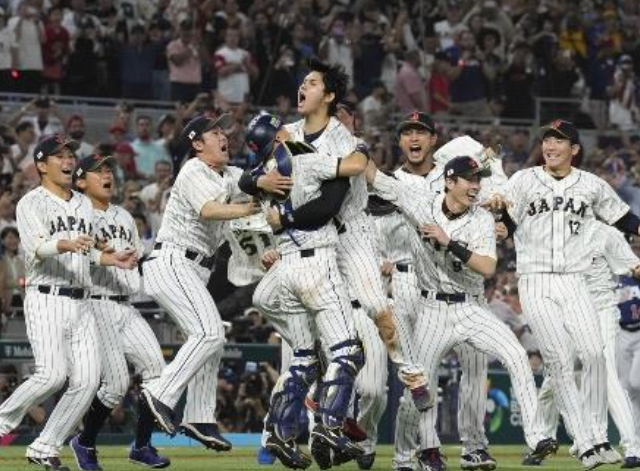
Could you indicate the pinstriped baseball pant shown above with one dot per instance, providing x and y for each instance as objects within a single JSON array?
[
  {"x": 448, "y": 325},
  {"x": 63, "y": 338},
  {"x": 561, "y": 315},
  {"x": 628, "y": 354},
  {"x": 124, "y": 336},
  {"x": 179, "y": 285},
  {"x": 472, "y": 399}
]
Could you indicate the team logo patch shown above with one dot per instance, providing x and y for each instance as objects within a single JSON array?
[
  {"x": 449, "y": 172},
  {"x": 275, "y": 122},
  {"x": 192, "y": 134}
]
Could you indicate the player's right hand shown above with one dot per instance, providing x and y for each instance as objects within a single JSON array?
[
  {"x": 386, "y": 268},
  {"x": 269, "y": 258},
  {"x": 252, "y": 207},
  {"x": 501, "y": 231},
  {"x": 273, "y": 182},
  {"x": 496, "y": 203},
  {"x": 82, "y": 244}
]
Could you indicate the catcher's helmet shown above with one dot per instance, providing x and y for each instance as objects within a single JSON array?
[{"x": 261, "y": 134}]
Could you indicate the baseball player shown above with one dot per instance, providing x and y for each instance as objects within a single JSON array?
[
  {"x": 417, "y": 136},
  {"x": 56, "y": 227},
  {"x": 458, "y": 251},
  {"x": 628, "y": 351},
  {"x": 123, "y": 334},
  {"x": 611, "y": 257},
  {"x": 249, "y": 238},
  {"x": 176, "y": 276},
  {"x": 552, "y": 206},
  {"x": 311, "y": 297},
  {"x": 320, "y": 92}
]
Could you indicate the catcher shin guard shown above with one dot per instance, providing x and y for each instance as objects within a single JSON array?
[
  {"x": 287, "y": 400},
  {"x": 337, "y": 384}
]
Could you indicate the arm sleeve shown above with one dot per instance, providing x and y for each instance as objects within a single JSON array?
[
  {"x": 318, "y": 212},
  {"x": 248, "y": 182},
  {"x": 628, "y": 223},
  {"x": 201, "y": 188},
  {"x": 608, "y": 205},
  {"x": 618, "y": 253},
  {"x": 413, "y": 203},
  {"x": 505, "y": 218}
]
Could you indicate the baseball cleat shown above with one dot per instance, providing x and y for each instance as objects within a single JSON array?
[
  {"x": 321, "y": 453},
  {"x": 86, "y": 458},
  {"x": 265, "y": 456},
  {"x": 608, "y": 454},
  {"x": 336, "y": 440},
  {"x": 528, "y": 460},
  {"x": 432, "y": 460},
  {"x": 288, "y": 453},
  {"x": 207, "y": 434},
  {"x": 544, "y": 448},
  {"x": 51, "y": 463},
  {"x": 631, "y": 462},
  {"x": 478, "y": 460},
  {"x": 366, "y": 461},
  {"x": 590, "y": 459},
  {"x": 148, "y": 456},
  {"x": 163, "y": 414}
]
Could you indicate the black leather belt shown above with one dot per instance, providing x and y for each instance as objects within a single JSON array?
[
  {"x": 68, "y": 291},
  {"x": 306, "y": 253},
  {"x": 355, "y": 304},
  {"x": 449, "y": 298},
  {"x": 206, "y": 262},
  {"x": 629, "y": 328},
  {"x": 340, "y": 226},
  {"x": 402, "y": 267},
  {"x": 116, "y": 298}
]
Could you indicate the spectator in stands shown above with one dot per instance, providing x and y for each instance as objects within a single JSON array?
[
  {"x": 159, "y": 39},
  {"x": 29, "y": 34},
  {"x": 22, "y": 150},
  {"x": 623, "y": 107},
  {"x": 451, "y": 26},
  {"x": 8, "y": 53},
  {"x": 600, "y": 73},
  {"x": 45, "y": 115},
  {"x": 468, "y": 77},
  {"x": 55, "y": 51},
  {"x": 148, "y": 152},
  {"x": 7, "y": 210},
  {"x": 75, "y": 130},
  {"x": 147, "y": 237},
  {"x": 126, "y": 157},
  {"x": 12, "y": 270},
  {"x": 167, "y": 130},
  {"x": 375, "y": 108},
  {"x": 234, "y": 68},
  {"x": 185, "y": 71},
  {"x": 252, "y": 399},
  {"x": 82, "y": 70},
  {"x": 439, "y": 84},
  {"x": 137, "y": 58},
  {"x": 337, "y": 46},
  {"x": 410, "y": 90},
  {"x": 155, "y": 195},
  {"x": 76, "y": 19}
]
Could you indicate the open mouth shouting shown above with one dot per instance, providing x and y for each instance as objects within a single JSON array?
[
  {"x": 415, "y": 151},
  {"x": 472, "y": 194}
]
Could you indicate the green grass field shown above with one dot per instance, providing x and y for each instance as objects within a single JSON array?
[{"x": 113, "y": 458}]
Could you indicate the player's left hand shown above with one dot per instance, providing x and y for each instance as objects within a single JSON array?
[
  {"x": 273, "y": 218},
  {"x": 501, "y": 231},
  {"x": 635, "y": 272},
  {"x": 386, "y": 268},
  {"x": 434, "y": 232},
  {"x": 269, "y": 258},
  {"x": 126, "y": 259}
]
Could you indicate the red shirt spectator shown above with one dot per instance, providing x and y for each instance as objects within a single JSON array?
[{"x": 56, "y": 46}]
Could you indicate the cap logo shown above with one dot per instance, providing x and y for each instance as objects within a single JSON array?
[
  {"x": 415, "y": 116},
  {"x": 79, "y": 172},
  {"x": 192, "y": 135},
  {"x": 556, "y": 124},
  {"x": 449, "y": 172},
  {"x": 40, "y": 155}
]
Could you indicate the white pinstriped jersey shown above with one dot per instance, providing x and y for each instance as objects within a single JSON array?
[
  {"x": 309, "y": 171},
  {"x": 611, "y": 256},
  {"x": 196, "y": 185},
  {"x": 248, "y": 238},
  {"x": 43, "y": 216},
  {"x": 435, "y": 265},
  {"x": 552, "y": 214},
  {"x": 118, "y": 230},
  {"x": 337, "y": 141}
]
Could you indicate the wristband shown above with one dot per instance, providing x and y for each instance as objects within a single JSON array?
[
  {"x": 459, "y": 251},
  {"x": 48, "y": 249},
  {"x": 363, "y": 149}
]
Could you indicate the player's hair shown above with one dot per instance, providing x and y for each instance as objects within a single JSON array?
[
  {"x": 9, "y": 230},
  {"x": 144, "y": 117},
  {"x": 334, "y": 78}
]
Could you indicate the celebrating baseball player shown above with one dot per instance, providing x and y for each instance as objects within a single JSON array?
[
  {"x": 177, "y": 273},
  {"x": 57, "y": 226},
  {"x": 123, "y": 334},
  {"x": 318, "y": 96},
  {"x": 311, "y": 298},
  {"x": 551, "y": 206},
  {"x": 611, "y": 257},
  {"x": 457, "y": 252}
]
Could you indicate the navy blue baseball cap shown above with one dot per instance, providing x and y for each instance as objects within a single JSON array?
[
  {"x": 562, "y": 129},
  {"x": 203, "y": 123},
  {"x": 91, "y": 163},
  {"x": 52, "y": 145},
  {"x": 465, "y": 167},
  {"x": 261, "y": 134},
  {"x": 417, "y": 120}
]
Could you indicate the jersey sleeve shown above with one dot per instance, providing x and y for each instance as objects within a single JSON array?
[
  {"x": 483, "y": 238},
  {"x": 32, "y": 229},
  {"x": 200, "y": 187},
  {"x": 511, "y": 189},
  {"x": 608, "y": 206},
  {"x": 618, "y": 253},
  {"x": 412, "y": 203},
  {"x": 326, "y": 167}
]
